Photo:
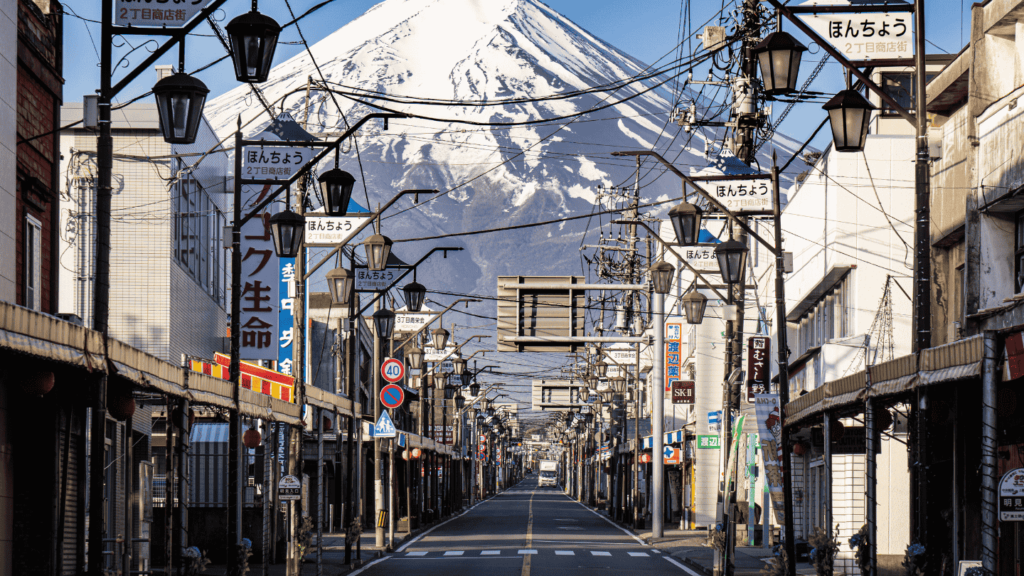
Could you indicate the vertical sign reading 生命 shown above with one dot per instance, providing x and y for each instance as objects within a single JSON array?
[{"x": 260, "y": 301}]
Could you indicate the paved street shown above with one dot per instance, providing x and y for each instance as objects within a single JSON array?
[{"x": 526, "y": 530}]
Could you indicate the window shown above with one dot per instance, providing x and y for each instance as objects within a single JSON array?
[
  {"x": 1018, "y": 254},
  {"x": 198, "y": 235},
  {"x": 33, "y": 265},
  {"x": 900, "y": 86}
]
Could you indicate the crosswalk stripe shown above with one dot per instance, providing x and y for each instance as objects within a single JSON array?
[
  {"x": 597, "y": 553},
  {"x": 564, "y": 553},
  {"x": 455, "y": 553},
  {"x": 490, "y": 553},
  {"x": 416, "y": 553},
  {"x": 527, "y": 551},
  {"x": 639, "y": 555}
]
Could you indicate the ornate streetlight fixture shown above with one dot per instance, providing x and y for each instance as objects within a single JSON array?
[
  {"x": 848, "y": 114},
  {"x": 253, "y": 38},
  {"x": 459, "y": 365},
  {"x": 340, "y": 282},
  {"x": 414, "y": 295},
  {"x": 384, "y": 323},
  {"x": 686, "y": 219},
  {"x": 415, "y": 357},
  {"x": 661, "y": 276},
  {"x": 179, "y": 103},
  {"x": 601, "y": 369},
  {"x": 336, "y": 188},
  {"x": 694, "y": 304},
  {"x": 286, "y": 230},
  {"x": 779, "y": 56},
  {"x": 439, "y": 338},
  {"x": 731, "y": 255},
  {"x": 378, "y": 249}
]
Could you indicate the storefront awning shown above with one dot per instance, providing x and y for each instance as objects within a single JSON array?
[
  {"x": 954, "y": 361},
  {"x": 674, "y": 437}
]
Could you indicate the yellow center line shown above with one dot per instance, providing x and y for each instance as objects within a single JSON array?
[{"x": 529, "y": 538}]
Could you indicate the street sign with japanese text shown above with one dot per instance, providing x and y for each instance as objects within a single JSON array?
[
  {"x": 620, "y": 354},
  {"x": 406, "y": 321},
  {"x": 289, "y": 488},
  {"x": 865, "y": 35},
  {"x": 375, "y": 280},
  {"x": 273, "y": 162},
  {"x": 169, "y": 14},
  {"x": 682, "y": 392},
  {"x": 673, "y": 353},
  {"x": 741, "y": 195},
  {"x": 330, "y": 231},
  {"x": 701, "y": 257},
  {"x": 286, "y": 315},
  {"x": 708, "y": 442},
  {"x": 758, "y": 373},
  {"x": 1011, "y": 496}
]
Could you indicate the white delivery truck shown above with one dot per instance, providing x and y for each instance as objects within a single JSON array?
[{"x": 548, "y": 473}]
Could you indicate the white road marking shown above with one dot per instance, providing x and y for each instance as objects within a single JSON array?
[
  {"x": 377, "y": 561},
  {"x": 639, "y": 555},
  {"x": 419, "y": 553},
  {"x": 624, "y": 531},
  {"x": 656, "y": 551},
  {"x": 599, "y": 553},
  {"x": 681, "y": 567},
  {"x": 413, "y": 541},
  {"x": 564, "y": 553},
  {"x": 490, "y": 552},
  {"x": 527, "y": 551},
  {"x": 454, "y": 553}
]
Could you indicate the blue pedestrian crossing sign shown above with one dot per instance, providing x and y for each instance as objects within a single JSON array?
[{"x": 385, "y": 427}]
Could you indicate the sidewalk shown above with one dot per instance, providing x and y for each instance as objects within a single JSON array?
[{"x": 691, "y": 549}]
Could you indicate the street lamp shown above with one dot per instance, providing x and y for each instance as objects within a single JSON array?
[
  {"x": 286, "y": 229},
  {"x": 440, "y": 381},
  {"x": 415, "y": 357},
  {"x": 661, "y": 276},
  {"x": 779, "y": 57},
  {"x": 439, "y": 338},
  {"x": 466, "y": 378},
  {"x": 848, "y": 114},
  {"x": 384, "y": 323},
  {"x": 686, "y": 219},
  {"x": 414, "y": 294},
  {"x": 601, "y": 368},
  {"x": 731, "y": 255},
  {"x": 378, "y": 248},
  {"x": 459, "y": 365},
  {"x": 474, "y": 389},
  {"x": 694, "y": 304},
  {"x": 336, "y": 188},
  {"x": 339, "y": 282},
  {"x": 460, "y": 401},
  {"x": 619, "y": 385},
  {"x": 179, "y": 103},
  {"x": 253, "y": 39}
]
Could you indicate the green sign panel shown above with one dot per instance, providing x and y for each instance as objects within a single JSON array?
[{"x": 708, "y": 442}]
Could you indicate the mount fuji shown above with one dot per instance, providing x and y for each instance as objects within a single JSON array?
[{"x": 503, "y": 61}]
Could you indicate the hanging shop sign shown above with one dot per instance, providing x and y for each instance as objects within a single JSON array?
[
  {"x": 708, "y": 442},
  {"x": 758, "y": 374},
  {"x": 289, "y": 488},
  {"x": 673, "y": 354},
  {"x": 330, "y": 231},
  {"x": 375, "y": 280},
  {"x": 1011, "y": 496},
  {"x": 741, "y": 195},
  {"x": 701, "y": 257},
  {"x": 865, "y": 35},
  {"x": 162, "y": 14},
  {"x": 274, "y": 162},
  {"x": 682, "y": 392}
]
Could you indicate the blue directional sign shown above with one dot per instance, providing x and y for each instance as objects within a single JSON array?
[{"x": 385, "y": 427}]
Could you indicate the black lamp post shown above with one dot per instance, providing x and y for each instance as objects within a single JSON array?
[
  {"x": 731, "y": 255},
  {"x": 439, "y": 338},
  {"x": 286, "y": 229},
  {"x": 779, "y": 56},
  {"x": 336, "y": 188},
  {"x": 179, "y": 102},
  {"x": 378, "y": 248},
  {"x": 661, "y": 276},
  {"x": 694, "y": 304},
  {"x": 339, "y": 282},
  {"x": 414, "y": 295},
  {"x": 686, "y": 219},
  {"x": 253, "y": 38},
  {"x": 384, "y": 323},
  {"x": 848, "y": 114},
  {"x": 415, "y": 357}
]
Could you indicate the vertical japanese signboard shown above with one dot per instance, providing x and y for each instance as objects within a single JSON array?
[
  {"x": 260, "y": 282},
  {"x": 758, "y": 374},
  {"x": 286, "y": 316},
  {"x": 673, "y": 354},
  {"x": 866, "y": 35}
]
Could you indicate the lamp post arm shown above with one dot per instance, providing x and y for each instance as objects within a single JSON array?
[
  {"x": 746, "y": 227},
  {"x": 313, "y": 162},
  {"x": 676, "y": 254},
  {"x": 431, "y": 321},
  {"x": 406, "y": 273}
]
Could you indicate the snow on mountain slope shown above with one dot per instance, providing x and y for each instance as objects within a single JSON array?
[{"x": 476, "y": 51}]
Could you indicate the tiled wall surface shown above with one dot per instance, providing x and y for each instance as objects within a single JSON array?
[{"x": 8, "y": 130}]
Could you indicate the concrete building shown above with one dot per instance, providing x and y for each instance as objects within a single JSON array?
[
  {"x": 8, "y": 139},
  {"x": 168, "y": 276}
]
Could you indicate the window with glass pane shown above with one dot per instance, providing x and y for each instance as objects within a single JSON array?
[
  {"x": 33, "y": 263},
  {"x": 900, "y": 86}
]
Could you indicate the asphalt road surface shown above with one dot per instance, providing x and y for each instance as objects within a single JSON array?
[{"x": 525, "y": 531}]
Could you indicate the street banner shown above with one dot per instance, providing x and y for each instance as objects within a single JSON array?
[
  {"x": 673, "y": 354},
  {"x": 162, "y": 14},
  {"x": 758, "y": 376},
  {"x": 734, "y": 449},
  {"x": 769, "y": 425},
  {"x": 865, "y": 35}
]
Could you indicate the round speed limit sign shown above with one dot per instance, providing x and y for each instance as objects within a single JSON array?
[{"x": 392, "y": 370}]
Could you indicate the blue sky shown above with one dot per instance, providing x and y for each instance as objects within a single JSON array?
[{"x": 647, "y": 30}]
